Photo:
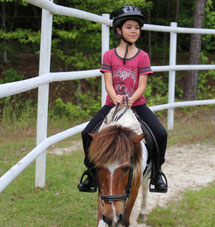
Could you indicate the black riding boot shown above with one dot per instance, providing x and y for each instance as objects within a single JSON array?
[
  {"x": 158, "y": 182},
  {"x": 90, "y": 183}
]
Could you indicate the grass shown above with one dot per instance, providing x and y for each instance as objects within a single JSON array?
[
  {"x": 193, "y": 125},
  {"x": 60, "y": 203},
  {"x": 196, "y": 208}
]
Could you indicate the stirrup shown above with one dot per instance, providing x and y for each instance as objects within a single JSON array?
[
  {"x": 94, "y": 186},
  {"x": 153, "y": 189}
]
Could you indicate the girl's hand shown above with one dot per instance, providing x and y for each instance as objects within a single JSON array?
[
  {"x": 117, "y": 99},
  {"x": 130, "y": 102}
]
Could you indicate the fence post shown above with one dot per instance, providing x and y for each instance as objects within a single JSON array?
[
  {"x": 105, "y": 47},
  {"x": 43, "y": 94},
  {"x": 172, "y": 62}
]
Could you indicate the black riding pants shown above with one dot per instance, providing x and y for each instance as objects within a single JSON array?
[{"x": 144, "y": 114}]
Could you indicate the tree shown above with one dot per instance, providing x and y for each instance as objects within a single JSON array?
[{"x": 191, "y": 80}]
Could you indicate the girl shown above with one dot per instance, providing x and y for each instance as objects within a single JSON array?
[{"x": 126, "y": 70}]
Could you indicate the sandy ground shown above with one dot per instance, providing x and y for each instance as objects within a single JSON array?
[{"x": 186, "y": 167}]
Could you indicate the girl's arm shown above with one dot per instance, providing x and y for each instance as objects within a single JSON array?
[
  {"x": 140, "y": 90},
  {"x": 110, "y": 90}
]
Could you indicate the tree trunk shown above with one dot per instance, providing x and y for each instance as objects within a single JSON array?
[
  {"x": 5, "y": 60},
  {"x": 191, "y": 80},
  {"x": 165, "y": 34},
  {"x": 177, "y": 10}
]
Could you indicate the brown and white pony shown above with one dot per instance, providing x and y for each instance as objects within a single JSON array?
[{"x": 116, "y": 151}]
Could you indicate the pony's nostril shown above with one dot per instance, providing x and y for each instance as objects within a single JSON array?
[
  {"x": 107, "y": 220},
  {"x": 120, "y": 217}
]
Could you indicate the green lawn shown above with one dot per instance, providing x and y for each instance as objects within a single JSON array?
[
  {"x": 58, "y": 204},
  {"x": 196, "y": 208}
]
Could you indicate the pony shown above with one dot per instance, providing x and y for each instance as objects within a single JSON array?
[{"x": 120, "y": 157}]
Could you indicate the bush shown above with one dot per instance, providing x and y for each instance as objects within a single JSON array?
[
  {"x": 11, "y": 75},
  {"x": 75, "y": 112}
]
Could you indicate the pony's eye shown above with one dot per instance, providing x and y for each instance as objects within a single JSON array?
[{"x": 126, "y": 169}]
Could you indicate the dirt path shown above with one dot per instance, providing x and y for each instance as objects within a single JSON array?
[{"x": 186, "y": 167}]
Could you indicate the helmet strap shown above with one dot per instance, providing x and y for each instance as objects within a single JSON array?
[{"x": 126, "y": 50}]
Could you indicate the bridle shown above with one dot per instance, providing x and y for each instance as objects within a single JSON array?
[
  {"x": 111, "y": 198},
  {"x": 125, "y": 196}
]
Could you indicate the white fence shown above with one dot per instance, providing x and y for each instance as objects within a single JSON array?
[{"x": 45, "y": 77}]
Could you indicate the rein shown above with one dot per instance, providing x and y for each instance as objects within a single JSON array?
[
  {"x": 125, "y": 196},
  {"x": 116, "y": 118}
]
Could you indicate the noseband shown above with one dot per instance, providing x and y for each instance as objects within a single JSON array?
[{"x": 125, "y": 196}]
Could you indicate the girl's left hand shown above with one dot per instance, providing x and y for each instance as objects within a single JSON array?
[{"x": 130, "y": 102}]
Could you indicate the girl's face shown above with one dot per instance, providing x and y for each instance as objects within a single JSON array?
[{"x": 130, "y": 31}]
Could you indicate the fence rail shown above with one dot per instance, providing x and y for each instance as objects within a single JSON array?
[
  {"x": 45, "y": 77},
  {"x": 14, "y": 88}
]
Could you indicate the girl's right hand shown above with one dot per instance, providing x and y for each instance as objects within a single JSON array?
[{"x": 117, "y": 99}]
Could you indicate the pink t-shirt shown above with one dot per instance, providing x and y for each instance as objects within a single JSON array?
[{"x": 126, "y": 77}]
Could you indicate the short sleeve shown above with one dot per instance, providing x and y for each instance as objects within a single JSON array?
[
  {"x": 106, "y": 64},
  {"x": 145, "y": 66}
]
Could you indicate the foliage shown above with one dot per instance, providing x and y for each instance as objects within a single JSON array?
[
  {"x": 76, "y": 45},
  {"x": 206, "y": 79},
  {"x": 14, "y": 111},
  {"x": 153, "y": 95},
  {"x": 205, "y": 88},
  {"x": 11, "y": 75},
  {"x": 209, "y": 40},
  {"x": 23, "y": 36},
  {"x": 76, "y": 112}
]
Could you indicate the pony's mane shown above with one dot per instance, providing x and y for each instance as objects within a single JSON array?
[{"x": 114, "y": 143}]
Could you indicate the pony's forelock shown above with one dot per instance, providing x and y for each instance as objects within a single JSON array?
[{"x": 114, "y": 143}]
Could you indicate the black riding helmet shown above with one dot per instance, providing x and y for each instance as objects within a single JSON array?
[{"x": 127, "y": 12}]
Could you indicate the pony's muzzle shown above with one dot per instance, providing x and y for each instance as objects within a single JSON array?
[
  {"x": 107, "y": 220},
  {"x": 110, "y": 222}
]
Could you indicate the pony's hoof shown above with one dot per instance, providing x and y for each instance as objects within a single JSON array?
[{"x": 141, "y": 216}]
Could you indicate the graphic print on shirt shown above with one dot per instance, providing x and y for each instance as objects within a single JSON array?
[{"x": 125, "y": 80}]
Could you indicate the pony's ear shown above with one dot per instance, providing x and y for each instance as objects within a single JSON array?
[
  {"x": 138, "y": 138},
  {"x": 91, "y": 135}
]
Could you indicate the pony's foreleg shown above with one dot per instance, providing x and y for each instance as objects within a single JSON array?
[
  {"x": 143, "y": 202},
  {"x": 131, "y": 202},
  {"x": 145, "y": 188}
]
